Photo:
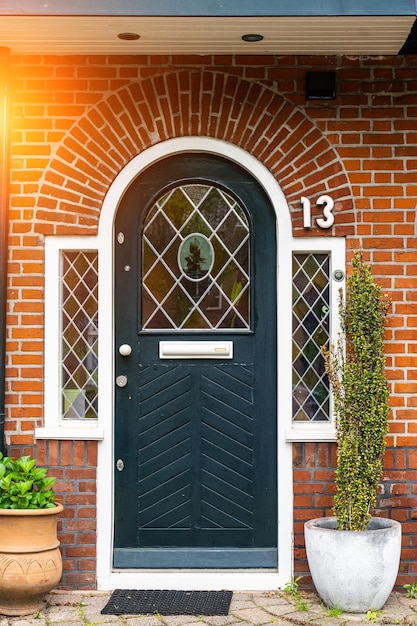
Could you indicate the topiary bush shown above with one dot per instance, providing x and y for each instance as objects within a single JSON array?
[{"x": 356, "y": 370}]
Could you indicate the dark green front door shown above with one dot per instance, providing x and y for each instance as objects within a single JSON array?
[{"x": 195, "y": 369}]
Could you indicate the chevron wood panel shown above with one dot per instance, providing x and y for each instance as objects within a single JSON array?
[
  {"x": 165, "y": 447},
  {"x": 227, "y": 447},
  {"x": 195, "y": 447}
]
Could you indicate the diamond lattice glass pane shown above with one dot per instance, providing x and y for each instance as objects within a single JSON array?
[
  {"x": 309, "y": 332},
  {"x": 221, "y": 256},
  {"x": 196, "y": 320},
  {"x": 230, "y": 232},
  {"x": 196, "y": 290},
  {"x": 79, "y": 320},
  {"x": 149, "y": 305},
  {"x": 159, "y": 281},
  {"x": 234, "y": 320},
  {"x": 196, "y": 193},
  {"x": 71, "y": 280},
  {"x": 159, "y": 232},
  {"x": 178, "y": 207},
  {"x": 213, "y": 207},
  {"x": 300, "y": 309},
  {"x": 215, "y": 305},
  {"x": 178, "y": 305},
  {"x": 149, "y": 257},
  {"x": 160, "y": 320},
  {"x": 71, "y": 306},
  {"x": 196, "y": 224},
  {"x": 195, "y": 259},
  {"x": 171, "y": 256},
  {"x": 242, "y": 259}
]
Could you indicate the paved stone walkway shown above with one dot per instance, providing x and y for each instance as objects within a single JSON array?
[{"x": 247, "y": 609}]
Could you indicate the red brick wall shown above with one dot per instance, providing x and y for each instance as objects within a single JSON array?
[
  {"x": 74, "y": 464},
  {"x": 78, "y": 120},
  {"x": 314, "y": 487}
]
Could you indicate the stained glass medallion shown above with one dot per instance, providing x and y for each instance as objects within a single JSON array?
[{"x": 195, "y": 259}]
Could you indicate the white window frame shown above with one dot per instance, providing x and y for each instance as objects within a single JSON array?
[
  {"x": 55, "y": 427},
  {"x": 335, "y": 247}
]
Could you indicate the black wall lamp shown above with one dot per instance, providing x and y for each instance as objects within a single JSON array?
[{"x": 320, "y": 85}]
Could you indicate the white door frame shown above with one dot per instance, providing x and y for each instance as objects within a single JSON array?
[{"x": 107, "y": 577}]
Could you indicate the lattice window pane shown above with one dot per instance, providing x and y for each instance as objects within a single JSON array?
[
  {"x": 195, "y": 259},
  {"x": 79, "y": 320},
  {"x": 310, "y": 328}
]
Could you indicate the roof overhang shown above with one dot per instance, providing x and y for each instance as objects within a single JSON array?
[{"x": 310, "y": 27}]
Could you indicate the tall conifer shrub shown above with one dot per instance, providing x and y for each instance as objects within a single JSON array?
[{"x": 355, "y": 367}]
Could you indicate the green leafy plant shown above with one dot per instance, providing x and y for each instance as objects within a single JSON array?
[
  {"x": 292, "y": 589},
  {"x": 334, "y": 611},
  {"x": 355, "y": 367},
  {"x": 23, "y": 485},
  {"x": 372, "y": 615},
  {"x": 411, "y": 589}
]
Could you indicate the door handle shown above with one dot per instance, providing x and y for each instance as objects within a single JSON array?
[
  {"x": 121, "y": 381},
  {"x": 125, "y": 349}
]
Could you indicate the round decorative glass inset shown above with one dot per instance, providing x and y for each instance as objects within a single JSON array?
[{"x": 195, "y": 257}]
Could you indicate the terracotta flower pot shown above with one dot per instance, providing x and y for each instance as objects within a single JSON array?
[{"x": 30, "y": 559}]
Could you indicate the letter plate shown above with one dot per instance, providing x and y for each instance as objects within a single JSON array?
[{"x": 196, "y": 349}]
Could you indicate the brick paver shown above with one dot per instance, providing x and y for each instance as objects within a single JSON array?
[{"x": 247, "y": 609}]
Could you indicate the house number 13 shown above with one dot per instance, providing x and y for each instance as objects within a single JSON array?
[{"x": 323, "y": 222}]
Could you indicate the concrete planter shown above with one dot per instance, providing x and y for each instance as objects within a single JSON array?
[{"x": 353, "y": 571}]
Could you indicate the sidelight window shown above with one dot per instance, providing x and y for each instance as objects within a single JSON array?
[
  {"x": 318, "y": 276},
  {"x": 310, "y": 330},
  {"x": 71, "y": 339},
  {"x": 79, "y": 342}
]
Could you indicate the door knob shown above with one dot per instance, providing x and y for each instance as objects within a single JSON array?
[
  {"x": 121, "y": 381},
  {"x": 125, "y": 349}
]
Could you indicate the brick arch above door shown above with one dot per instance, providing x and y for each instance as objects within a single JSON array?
[{"x": 191, "y": 103}]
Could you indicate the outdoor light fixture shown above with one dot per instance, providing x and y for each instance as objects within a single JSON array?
[
  {"x": 320, "y": 85},
  {"x": 251, "y": 37},
  {"x": 128, "y": 36}
]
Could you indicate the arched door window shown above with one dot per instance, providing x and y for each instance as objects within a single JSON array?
[{"x": 195, "y": 255}]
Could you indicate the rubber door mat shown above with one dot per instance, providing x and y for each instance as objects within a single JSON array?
[{"x": 134, "y": 602}]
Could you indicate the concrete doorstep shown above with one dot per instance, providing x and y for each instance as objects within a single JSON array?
[{"x": 247, "y": 608}]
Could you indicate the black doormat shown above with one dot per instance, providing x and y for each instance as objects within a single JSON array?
[{"x": 134, "y": 602}]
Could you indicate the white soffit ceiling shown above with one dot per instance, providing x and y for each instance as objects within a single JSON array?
[{"x": 305, "y": 35}]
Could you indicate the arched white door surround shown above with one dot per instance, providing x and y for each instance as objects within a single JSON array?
[{"x": 107, "y": 577}]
